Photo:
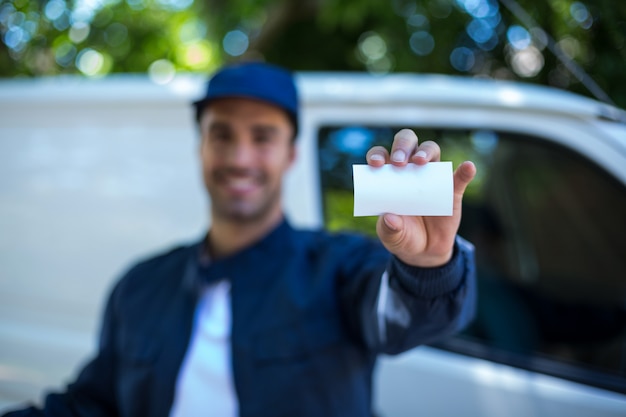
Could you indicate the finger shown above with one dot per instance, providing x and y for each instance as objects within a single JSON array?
[
  {"x": 389, "y": 228},
  {"x": 404, "y": 144},
  {"x": 427, "y": 151},
  {"x": 392, "y": 222},
  {"x": 377, "y": 156},
  {"x": 463, "y": 175}
]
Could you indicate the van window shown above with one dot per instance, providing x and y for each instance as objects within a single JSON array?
[{"x": 549, "y": 229}]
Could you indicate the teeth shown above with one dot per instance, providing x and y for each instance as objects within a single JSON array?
[{"x": 240, "y": 183}]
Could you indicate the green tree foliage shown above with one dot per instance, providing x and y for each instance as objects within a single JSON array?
[
  {"x": 469, "y": 37},
  {"x": 99, "y": 37}
]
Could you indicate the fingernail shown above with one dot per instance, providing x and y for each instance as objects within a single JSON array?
[
  {"x": 398, "y": 156},
  {"x": 389, "y": 220},
  {"x": 377, "y": 157},
  {"x": 421, "y": 154}
]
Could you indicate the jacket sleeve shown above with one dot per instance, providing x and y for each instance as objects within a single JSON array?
[
  {"x": 404, "y": 306},
  {"x": 92, "y": 394}
]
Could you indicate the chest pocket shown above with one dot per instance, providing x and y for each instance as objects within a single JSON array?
[{"x": 298, "y": 340}]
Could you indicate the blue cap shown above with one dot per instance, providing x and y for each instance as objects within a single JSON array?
[{"x": 255, "y": 80}]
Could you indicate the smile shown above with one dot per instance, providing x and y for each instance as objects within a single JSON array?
[{"x": 238, "y": 183}]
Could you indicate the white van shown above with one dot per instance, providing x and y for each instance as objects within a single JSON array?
[{"x": 96, "y": 173}]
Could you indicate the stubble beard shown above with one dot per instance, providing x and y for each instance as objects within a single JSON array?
[{"x": 242, "y": 210}]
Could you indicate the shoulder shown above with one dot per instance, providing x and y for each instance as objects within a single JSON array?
[
  {"x": 161, "y": 271},
  {"x": 157, "y": 261}
]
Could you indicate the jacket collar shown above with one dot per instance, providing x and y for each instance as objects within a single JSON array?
[{"x": 201, "y": 270}]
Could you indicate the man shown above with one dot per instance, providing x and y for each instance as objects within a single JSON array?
[{"x": 259, "y": 319}]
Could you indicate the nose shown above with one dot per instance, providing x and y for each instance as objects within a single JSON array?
[{"x": 240, "y": 154}]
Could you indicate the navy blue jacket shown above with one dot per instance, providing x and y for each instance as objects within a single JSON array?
[{"x": 307, "y": 325}]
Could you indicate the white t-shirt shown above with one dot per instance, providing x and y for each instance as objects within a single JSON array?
[{"x": 205, "y": 381}]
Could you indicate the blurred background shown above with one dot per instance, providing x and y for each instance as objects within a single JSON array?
[
  {"x": 98, "y": 168},
  {"x": 568, "y": 44}
]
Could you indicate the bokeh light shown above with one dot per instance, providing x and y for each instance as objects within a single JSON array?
[
  {"x": 581, "y": 15},
  {"x": 480, "y": 30},
  {"x": 115, "y": 34},
  {"x": 197, "y": 56},
  {"x": 161, "y": 71},
  {"x": 85, "y": 10},
  {"x": 422, "y": 43},
  {"x": 462, "y": 59},
  {"x": 192, "y": 30},
  {"x": 527, "y": 62},
  {"x": 90, "y": 62},
  {"x": 570, "y": 46},
  {"x": 64, "y": 54},
  {"x": 484, "y": 26},
  {"x": 518, "y": 37},
  {"x": 418, "y": 21},
  {"x": 235, "y": 43},
  {"x": 372, "y": 46},
  {"x": 79, "y": 32},
  {"x": 372, "y": 51},
  {"x": 479, "y": 8},
  {"x": 54, "y": 9},
  {"x": 16, "y": 38},
  {"x": 175, "y": 4},
  {"x": 484, "y": 141}
]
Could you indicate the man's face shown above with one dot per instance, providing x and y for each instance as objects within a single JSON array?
[{"x": 246, "y": 148}]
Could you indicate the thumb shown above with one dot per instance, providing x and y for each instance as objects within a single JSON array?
[{"x": 389, "y": 228}]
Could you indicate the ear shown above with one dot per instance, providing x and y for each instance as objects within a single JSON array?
[{"x": 293, "y": 153}]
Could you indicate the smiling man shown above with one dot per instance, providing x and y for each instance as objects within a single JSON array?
[
  {"x": 261, "y": 319},
  {"x": 246, "y": 148}
]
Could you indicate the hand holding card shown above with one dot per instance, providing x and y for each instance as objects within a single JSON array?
[
  {"x": 417, "y": 197},
  {"x": 414, "y": 190}
]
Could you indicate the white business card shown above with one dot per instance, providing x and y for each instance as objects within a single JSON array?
[{"x": 414, "y": 190}]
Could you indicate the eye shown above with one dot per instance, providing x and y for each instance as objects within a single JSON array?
[
  {"x": 263, "y": 138},
  {"x": 264, "y": 135},
  {"x": 220, "y": 135}
]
